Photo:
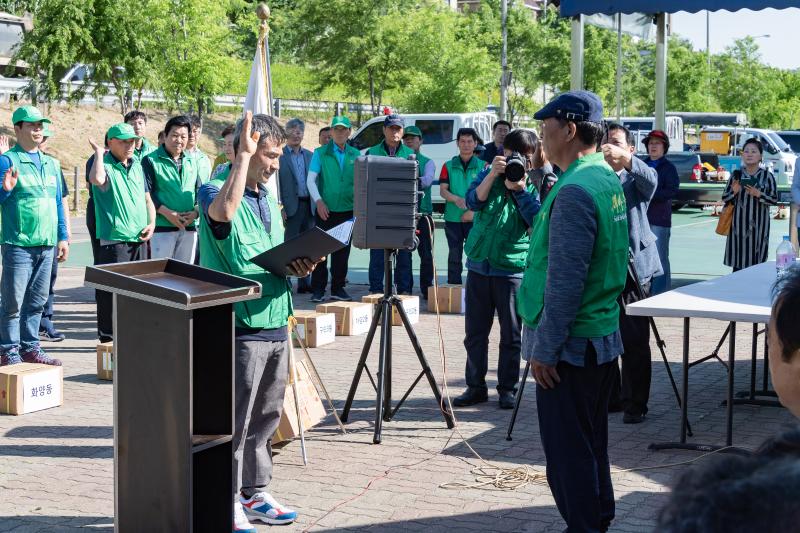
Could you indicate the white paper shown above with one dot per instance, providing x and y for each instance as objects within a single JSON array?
[
  {"x": 301, "y": 331},
  {"x": 343, "y": 231},
  {"x": 41, "y": 390}
]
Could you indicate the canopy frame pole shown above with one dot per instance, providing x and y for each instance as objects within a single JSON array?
[
  {"x": 619, "y": 67},
  {"x": 661, "y": 71},
  {"x": 576, "y": 54}
]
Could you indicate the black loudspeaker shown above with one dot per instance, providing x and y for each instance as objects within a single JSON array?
[{"x": 385, "y": 203}]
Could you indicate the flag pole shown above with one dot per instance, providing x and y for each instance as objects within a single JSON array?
[{"x": 263, "y": 13}]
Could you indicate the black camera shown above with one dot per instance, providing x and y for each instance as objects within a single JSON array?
[{"x": 515, "y": 167}]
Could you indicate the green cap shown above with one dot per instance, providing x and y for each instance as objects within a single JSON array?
[
  {"x": 412, "y": 130},
  {"x": 340, "y": 120},
  {"x": 28, "y": 113},
  {"x": 121, "y": 131}
]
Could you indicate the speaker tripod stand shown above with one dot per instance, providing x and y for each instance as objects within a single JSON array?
[{"x": 382, "y": 383}]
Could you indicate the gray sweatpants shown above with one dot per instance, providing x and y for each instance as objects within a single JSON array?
[{"x": 262, "y": 369}]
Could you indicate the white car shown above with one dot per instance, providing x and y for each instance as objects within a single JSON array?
[{"x": 438, "y": 137}]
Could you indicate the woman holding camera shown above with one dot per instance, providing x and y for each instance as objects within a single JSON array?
[
  {"x": 505, "y": 202},
  {"x": 752, "y": 190}
]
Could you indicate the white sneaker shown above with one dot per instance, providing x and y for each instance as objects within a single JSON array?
[
  {"x": 262, "y": 506},
  {"x": 240, "y": 522}
]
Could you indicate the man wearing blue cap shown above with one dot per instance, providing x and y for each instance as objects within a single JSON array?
[
  {"x": 33, "y": 230},
  {"x": 391, "y": 146},
  {"x": 574, "y": 274}
]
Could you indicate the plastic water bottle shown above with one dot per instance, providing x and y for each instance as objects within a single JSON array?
[{"x": 784, "y": 257}]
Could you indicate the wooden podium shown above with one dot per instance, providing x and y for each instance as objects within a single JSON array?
[{"x": 173, "y": 393}]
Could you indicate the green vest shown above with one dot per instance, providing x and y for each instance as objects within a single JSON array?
[
  {"x": 402, "y": 152},
  {"x": 203, "y": 164},
  {"x": 120, "y": 206},
  {"x": 146, "y": 149},
  {"x": 30, "y": 214},
  {"x": 232, "y": 255},
  {"x": 459, "y": 183},
  {"x": 499, "y": 233},
  {"x": 598, "y": 315},
  {"x": 426, "y": 205},
  {"x": 335, "y": 183},
  {"x": 175, "y": 191}
]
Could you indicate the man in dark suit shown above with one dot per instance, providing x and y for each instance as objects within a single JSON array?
[
  {"x": 639, "y": 182},
  {"x": 499, "y": 131},
  {"x": 298, "y": 209}
]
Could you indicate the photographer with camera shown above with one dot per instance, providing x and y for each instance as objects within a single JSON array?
[{"x": 505, "y": 202}]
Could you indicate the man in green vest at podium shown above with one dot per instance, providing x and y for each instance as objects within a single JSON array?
[
  {"x": 574, "y": 274},
  {"x": 240, "y": 220}
]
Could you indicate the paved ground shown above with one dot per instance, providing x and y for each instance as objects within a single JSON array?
[{"x": 56, "y": 465}]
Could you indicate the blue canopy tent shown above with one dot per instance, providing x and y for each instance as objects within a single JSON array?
[
  {"x": 577, "y": 8},
  {"x": 570, "y": 8}
]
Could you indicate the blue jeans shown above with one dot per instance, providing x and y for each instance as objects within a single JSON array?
[
  {"x": 24, "y": 287},
  {"x": 662, "y": 283},
  {"x": 47, "y": 313},
  {"x": 403, "y": 277}
]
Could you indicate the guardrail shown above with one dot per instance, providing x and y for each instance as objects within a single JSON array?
[{"x": 16, "y": 87}]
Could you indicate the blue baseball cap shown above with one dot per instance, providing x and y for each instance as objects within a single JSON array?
[
  {"x": 394, "y": 120},
  {"x": 578, "y": 106}
]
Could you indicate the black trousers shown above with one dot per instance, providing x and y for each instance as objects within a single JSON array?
[
  {"x": 485, "y": 294},
  {"x": 339, "y": 259},
  {"x": 632, "y": 385},
  {"x": 425, "y": 250},
  {"x": 113, "y": 253},
  {"x": 456, "y": 234},
  {"x": 573, "y": 425}
]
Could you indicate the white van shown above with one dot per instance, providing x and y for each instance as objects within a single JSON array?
[
  {"x": 778, "y": 155},
  {"x": 641, "y": 126},
  {"x": 438, "y": 137}
]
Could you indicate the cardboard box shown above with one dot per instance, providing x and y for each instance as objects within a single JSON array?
[
  {"x": 316, "y": 329},
  {"x": 312, "y": 412},
  {"x": 352, "y": 318},
  {"x": 452, "y": 299},
  {"x": 410, "y": 304},
  {"x": 105, "y": 361},
  {"x": 28, "y": 387}
]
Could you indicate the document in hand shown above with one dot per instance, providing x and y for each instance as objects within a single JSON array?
[{"x": 313, "y": 244}]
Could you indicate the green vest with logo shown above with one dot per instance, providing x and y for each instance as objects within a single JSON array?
[
  {"x": 335, "y": 183},
  {"x": 203, "y": 164},
  {"x": 403, "y": 151},
  {"x": 120, "y": 205},
  {"x": 598, "y": 315},
  {"x": 30, "y": 214},
  {"x": 247, "y": 239},
  {"x": 459, "y": 181},
  {"x": 426, "y": 205},
  {"x": 175, "y": 190},
  {"x": 499, "y": 233},
  {"x": 146, "y": 149}
]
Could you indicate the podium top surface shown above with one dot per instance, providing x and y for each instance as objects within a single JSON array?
[{"x": 172, "y": 283}]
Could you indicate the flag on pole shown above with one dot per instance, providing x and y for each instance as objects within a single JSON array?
[{"x": 259, "y": 93}]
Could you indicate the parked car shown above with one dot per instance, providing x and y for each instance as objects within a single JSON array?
[
  {"x": 792, "y": 138},
  {"x": 727, "y": 141},
  {"x": 438, "y": 137}
]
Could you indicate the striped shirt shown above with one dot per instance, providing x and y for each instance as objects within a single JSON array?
[{"x": 748, "y": 241}]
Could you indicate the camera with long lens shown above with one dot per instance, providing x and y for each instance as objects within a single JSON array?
[{"x": 515, "y": 167}]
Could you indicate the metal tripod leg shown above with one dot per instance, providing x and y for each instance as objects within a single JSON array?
[
  {"x": 362, "y": 362},
  {"x": 383, "y": 400},
  {"x": 426, "y": 369},
  {"x": 519, "y": 399}
]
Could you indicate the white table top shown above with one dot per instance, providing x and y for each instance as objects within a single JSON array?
[{"x": 744, "y": 296}]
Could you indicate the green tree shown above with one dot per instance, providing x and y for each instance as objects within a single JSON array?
[
  {"x": 194, "y": 51},
  {"x": 61, "y": 36},
  {"x": 126, "y": 58}
]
